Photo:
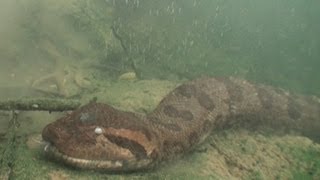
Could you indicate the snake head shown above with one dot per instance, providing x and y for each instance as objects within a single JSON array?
[{"x": 100, "y": 137}]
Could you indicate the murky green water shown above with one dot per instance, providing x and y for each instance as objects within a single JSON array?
[{"x": 111, "y": 49}]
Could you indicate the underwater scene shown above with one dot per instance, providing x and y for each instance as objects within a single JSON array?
[{"x": 159, "y": 89}]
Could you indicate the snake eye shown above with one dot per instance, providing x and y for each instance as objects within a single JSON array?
[{"x": 98, "y": 130}]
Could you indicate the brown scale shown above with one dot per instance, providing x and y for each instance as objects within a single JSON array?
[{"x": 98, "y": 136}]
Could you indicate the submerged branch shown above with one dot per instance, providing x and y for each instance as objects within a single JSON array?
[
  {"x": 125, "y": 49},
  {"x": 42, "y": 104}
]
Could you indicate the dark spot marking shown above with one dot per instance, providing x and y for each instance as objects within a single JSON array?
[
  {"x": 205, "y": 101},
  {"x": 135, "y": 148},
  {"x": 207, "y": 125},
  {"x": 186, "y": 115},
  {"x": 294, "y": 108},
  {"x": 219, "y": 121},
  {"x": 186, "y": 90},
  {"x": 265, "y": 97},
  {"x": 193, "y": 138},
  {"x": 154, "y": 119},
  {"x": 171, "y": 111},
  {"x": 173, "y": 127},
  {"x": 313, "y": 102},
  {"x": 154, "y": 154},
  {"x": 172, "y": 148},
  {"x": 234, "y": 90}
]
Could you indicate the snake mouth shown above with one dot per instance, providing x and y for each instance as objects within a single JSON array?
[{"x": 105, "y": 165}]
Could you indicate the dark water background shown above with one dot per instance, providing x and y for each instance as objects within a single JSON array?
[{"x": 273, "y": 42}]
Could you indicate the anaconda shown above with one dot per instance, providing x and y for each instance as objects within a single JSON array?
[{"x": 100, "y": 137}]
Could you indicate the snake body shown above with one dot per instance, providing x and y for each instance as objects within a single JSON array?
[{"x": 100, "y": 137}]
